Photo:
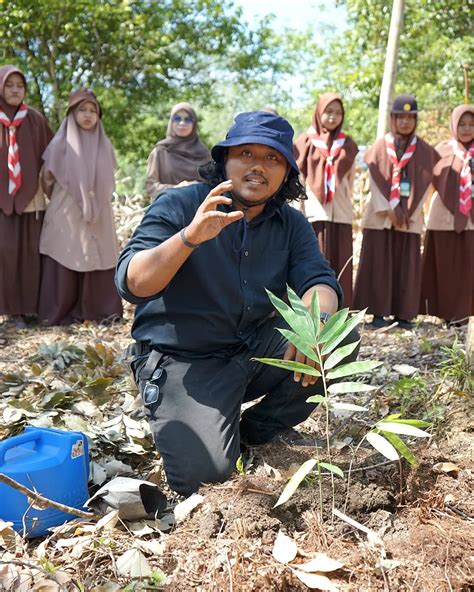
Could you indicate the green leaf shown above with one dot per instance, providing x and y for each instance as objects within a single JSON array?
[
  {"x": 401, "y": 447},
  {"x": 382, "y": 445},
  {"x": 295, "y": 481},
  {"x": 239, "y": 465},
  {"x": 289, "y": 365},
  {"x": 332, "y": 468},
  {"x": 418, "y": 423},
  {"x": 315, "y": 312},
  {"x": 300, "y": 309},
  {"x": 351, "y": 369},
  {"x": 343, "y": 332},
  {"x": 301, "y": 345},
  {"x": 401, "y": 428},
  {"x": 316, "y": 399},
  {"x": 338, "y": 355},
  {"x": 333, "y": 325},
  {"x": 347, "y": 407},
  {"x": 98, "y": 386},
  {"x": 338, "y": 388},
  {"x": 294, "y": 320}
]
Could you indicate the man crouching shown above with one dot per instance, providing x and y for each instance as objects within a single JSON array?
[{"x": 197, "y": 268}]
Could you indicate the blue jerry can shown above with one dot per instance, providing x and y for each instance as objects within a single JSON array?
[{"x": 55, "y": 464}]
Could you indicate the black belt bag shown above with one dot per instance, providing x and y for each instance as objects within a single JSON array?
[{"x": 145, "y": 364}]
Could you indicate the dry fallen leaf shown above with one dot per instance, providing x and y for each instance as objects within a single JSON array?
[
  {"x": 134, "y": 564},
  {"x": 183, "y": 509},
  {"x": 108, "y": 521},
  {"x": 284, "y": 548},
  {"x": 446, "y": 467},
  {"x": 320, "y": 562},
  {"x": 315, "y": 581}
]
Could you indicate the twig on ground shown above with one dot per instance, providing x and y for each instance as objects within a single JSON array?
[{"x": 42, "y": 501}]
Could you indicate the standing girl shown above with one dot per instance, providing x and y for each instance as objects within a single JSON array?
[
  {"x": 400, "y": 169},
  {"x": 174, "y": 161},
  {"x": 24, "y": 135},
  {"x": 326, "y": 158},
  {"x": 448, "y": 261},
  {"x": 78, "y": 242}
]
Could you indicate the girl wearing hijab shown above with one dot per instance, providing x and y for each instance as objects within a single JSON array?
[
  {"x": 448, "y": 261},
  {"x": 24, "y": 135},
  {"x": 174, "y": 161},
  {"x": 78, "y": 242},
  {"x": 326, "y": 158},
  {"x": 400, "y": 169}
]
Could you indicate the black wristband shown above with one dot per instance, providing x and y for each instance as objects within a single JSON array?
[
  {"x": 182, "y": 236},
  {"x": 324, "y": 316}
]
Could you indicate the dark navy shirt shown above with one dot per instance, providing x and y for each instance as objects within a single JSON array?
[{"x": 217, "y": 298}]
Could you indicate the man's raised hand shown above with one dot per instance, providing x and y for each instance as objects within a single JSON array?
[{"x": 208, "y": 220}]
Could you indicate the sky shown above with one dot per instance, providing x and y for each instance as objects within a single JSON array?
[{"x": 295, "y": 14}]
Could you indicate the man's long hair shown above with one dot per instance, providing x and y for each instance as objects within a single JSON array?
[{"x": 213, "y": 173}]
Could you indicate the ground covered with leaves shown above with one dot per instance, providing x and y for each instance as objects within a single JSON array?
[{"x": 384, "y": 526}]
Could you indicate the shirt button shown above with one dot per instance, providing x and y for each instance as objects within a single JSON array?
[
  {"x": 246, "y": 253},
  {"x": 240, "y": 332},
  {"x": 245, "y": 282},
  {"x": 248, "y": 307}
]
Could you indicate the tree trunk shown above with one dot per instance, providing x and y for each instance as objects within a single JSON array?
[{"x": 390, "y": 70}]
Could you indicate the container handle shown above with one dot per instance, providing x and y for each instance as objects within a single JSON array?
[{"x": 28, "y": 436}]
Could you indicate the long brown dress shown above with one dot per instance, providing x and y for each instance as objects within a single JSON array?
[
  {"x": 21, "y": 214},
  {"x": 448, "y": 260},
  {"x": 78, "y": 244},
  {"x": 388, "y": 280},
  {"x": 331, "y": 217}
]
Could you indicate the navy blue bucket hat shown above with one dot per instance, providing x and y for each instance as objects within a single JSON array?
[{"x": 259, "y": 127}]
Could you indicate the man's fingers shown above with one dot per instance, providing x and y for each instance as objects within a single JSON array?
[
  {"x": 212, "y": 201},
  {"x": 220, "y": 189},
  {"x": 290, "y": 352},
  {"x": 299, "y": 357}
]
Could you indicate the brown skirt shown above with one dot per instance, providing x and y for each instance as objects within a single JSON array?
[
  {"x": 447, "y": 289},
  {"x": 67, "y": 296},
  {"x": 20, "y": 263},
  {"x": 335, "y": 242},
  {"x": 388, "y": 281}
]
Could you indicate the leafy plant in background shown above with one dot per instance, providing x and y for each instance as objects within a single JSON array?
[
  {"x": 324, "y": 347},
  {"x": 454, "y": 367}
]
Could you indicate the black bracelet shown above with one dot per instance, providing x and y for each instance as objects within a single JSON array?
[{"x": 182, "y": 236}]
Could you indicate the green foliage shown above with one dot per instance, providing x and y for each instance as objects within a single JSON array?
[
  {"x": 140, "y": 56},
  {"x": 454, "y": 368},
  {"x": 316, "y": 343},
  {"x": 436, "y": 41}
]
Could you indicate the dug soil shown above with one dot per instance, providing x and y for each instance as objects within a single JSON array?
[{"x": 391, "y": 526}]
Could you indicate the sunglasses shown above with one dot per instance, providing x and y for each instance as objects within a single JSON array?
[{"x": 178, "y": 119}]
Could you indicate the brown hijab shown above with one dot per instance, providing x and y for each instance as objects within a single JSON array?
[
  {"x": 179, "y": 158},
  {"x": 32, "y": 137},
  {"x": 419, "y": 170},
  {"x": 448, "y": 169},
  {"x": 310, "y": 160},
  {"x": 82, "y": 161}
]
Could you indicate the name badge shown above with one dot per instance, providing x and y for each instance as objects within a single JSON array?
[{"x": 405, "y": 188}]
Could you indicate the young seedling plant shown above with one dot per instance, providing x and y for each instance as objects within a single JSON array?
[{"x": 324, "y": 346}]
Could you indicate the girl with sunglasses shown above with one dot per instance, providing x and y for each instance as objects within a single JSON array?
[{"x": 174, "y": 161}]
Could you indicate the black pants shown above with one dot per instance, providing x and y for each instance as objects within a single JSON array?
[{"x": 196, "y": 421}]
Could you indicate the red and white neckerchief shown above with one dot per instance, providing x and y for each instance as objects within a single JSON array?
[
  {"x": 330, "y": 156},
  {"x": 398, "y": 165},
  {"x": 465, "y": 178},
  {"x": 14, "y": 168}
]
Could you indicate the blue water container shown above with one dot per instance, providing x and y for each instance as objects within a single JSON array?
[{"x": 55, "y": 464}]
